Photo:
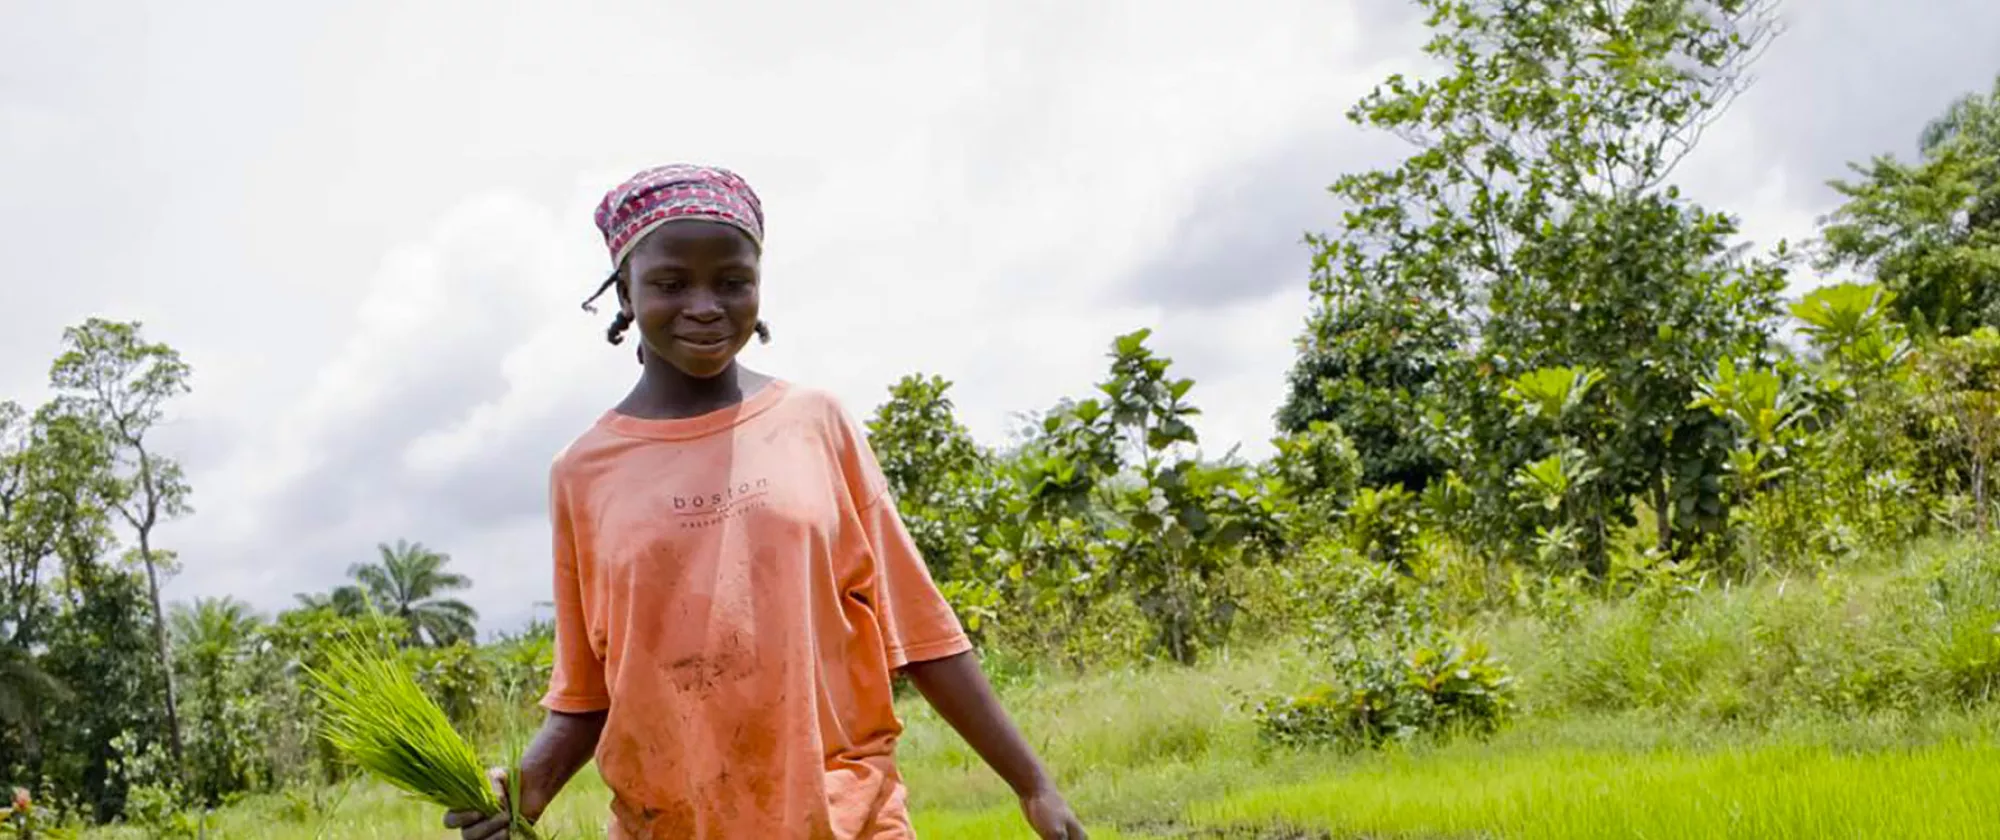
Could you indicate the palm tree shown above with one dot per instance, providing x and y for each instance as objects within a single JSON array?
[
  {"x": 216, "y": 628},
  {"x": 214, "y": 640},
  {"x": 407, "y": 583},
  {"x": 24, "y": 689},
  {"x": 345, "y": 601}
]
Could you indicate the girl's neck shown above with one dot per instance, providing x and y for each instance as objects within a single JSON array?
[{"x": 664, "y": 392}]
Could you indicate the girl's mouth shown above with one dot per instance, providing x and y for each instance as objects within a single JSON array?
[{"x": 705, "y": 346}]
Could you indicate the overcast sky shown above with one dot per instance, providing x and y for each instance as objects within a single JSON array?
[{"x": 367, "y": 224}]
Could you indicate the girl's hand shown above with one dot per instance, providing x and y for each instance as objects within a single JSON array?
[
  {"x": 473, "y": 825},
  {"x": 1051, "y": 816}
]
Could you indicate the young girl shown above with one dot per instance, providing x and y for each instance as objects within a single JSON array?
[{"x": 733, "y": 585}]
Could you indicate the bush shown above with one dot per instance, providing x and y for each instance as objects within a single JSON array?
[
  {"x": 24, "y": 818},
  {"x": 1381, "y": 692},
  {"x": 1391, "y": 672},
  {"x": 1314, "y": 473}
]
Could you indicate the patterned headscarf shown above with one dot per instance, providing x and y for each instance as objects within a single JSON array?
[{"x": 676, "y": 191}]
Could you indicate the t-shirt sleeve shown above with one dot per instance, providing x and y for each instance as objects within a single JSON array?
[
  {"x": 576, "y": 683},
  {"x": 916, "y": 623}
]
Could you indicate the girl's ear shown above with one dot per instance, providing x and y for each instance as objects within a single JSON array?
[{"x": 624, "y": 289}]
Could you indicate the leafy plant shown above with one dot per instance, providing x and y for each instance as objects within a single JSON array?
[
  {"x": 23, "y": 819},
  {"x": 1929, "y": 231},
  {"x": 1314, "y": 473},
  {"x": 1378, "y": 693},
  {"x": 1382, "y": 524},
  {"x": 1961, "y": 379}
]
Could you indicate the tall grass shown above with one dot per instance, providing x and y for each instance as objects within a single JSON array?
[{"x": 1915, "y": 632}]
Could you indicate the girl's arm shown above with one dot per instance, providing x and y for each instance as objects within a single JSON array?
[
  {"x": 958, "y": 689},
  {"x": 564, "y": 744}
]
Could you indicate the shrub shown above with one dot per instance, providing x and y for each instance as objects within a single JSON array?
[
  {"x": 1380, "y": 692},
  {"x": 24, "y": 818},
  {"x": 1314, "y": 473},
  {"x": 1391, "y": 672}
]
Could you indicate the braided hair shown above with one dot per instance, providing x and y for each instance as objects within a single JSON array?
[{"x": 622, "y": 321}]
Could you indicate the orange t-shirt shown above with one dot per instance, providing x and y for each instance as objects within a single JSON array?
[{"x": 735, "y": 589}]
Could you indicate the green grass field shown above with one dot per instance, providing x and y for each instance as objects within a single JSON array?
[
  {"x": 1726, "y": 742},
  {"x": 1139, "y": 766}
]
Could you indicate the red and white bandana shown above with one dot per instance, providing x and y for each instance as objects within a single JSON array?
[{"x": 676, "y": 191}]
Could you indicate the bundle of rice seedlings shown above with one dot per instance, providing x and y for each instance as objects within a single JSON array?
[{"x": 377, "y": 717}]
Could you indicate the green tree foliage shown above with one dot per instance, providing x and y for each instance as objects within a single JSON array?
[
  {"x": 74, "y": 613},
  {"x": 111, "y": 375},
  {"x": 221, "y": 665},
  {"x": 1534, "y": 227},
  {"x": 1367, "y": 364},
  {"x": 24, "y": 539},
  {"x": 409, "y": 582},
  {"x": 1123, "y": 471},
  {"x": 1974, "y": 117},
  {"x": 1826, "y": 454},
  {"x": 348, "y": 600},
  {"x": 1929, "y": 231},
  {"x": 25, "y": 689},
  {"x": 102, "y": 648},
  {"x": 1961, "y": 383},
  {"x": 947, "y": 489},
  {"x": 1313, "y": 476},
  {"x": 1108, "y": 503},
  {"x": 940, "y": 479}
]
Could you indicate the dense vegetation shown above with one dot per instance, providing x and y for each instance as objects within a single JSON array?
[{"x": 1558, "y": 450}]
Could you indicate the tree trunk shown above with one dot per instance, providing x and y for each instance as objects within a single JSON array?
[
  {"x": 160, "y": 647},
  {"x": 1663, "y": 514}
]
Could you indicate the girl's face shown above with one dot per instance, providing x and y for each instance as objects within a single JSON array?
[{"x": 691, "y": 289}]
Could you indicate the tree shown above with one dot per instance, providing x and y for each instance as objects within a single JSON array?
[
  {"x": 110, "y": 374},
  {"x": 1929, "y": 231},
  {"x": 96, "y": 640},
  {"x": 1366, "y": 361},
  {"x": 935, "y": 471},
  {"x": 1962, "y": 381},
  {"x": 24, "y": 688},
  {"x": 1312, "y": 477},
  {"x": 408, "y": 583},
  {"x": 24, "y": 538},
  {"x": 948, "y": 489},
  {"x": 1163, "y": 523},
  {"x": 216, "y": 639},
  {"x": 1974, "y": 117},
  {"x": 1534, "y": 226},
  {"x": 45, "y": 493},
  {"x": 345, "y": 601}
]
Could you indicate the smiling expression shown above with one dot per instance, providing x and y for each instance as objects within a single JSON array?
[{"x": 691, "y": 288}]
